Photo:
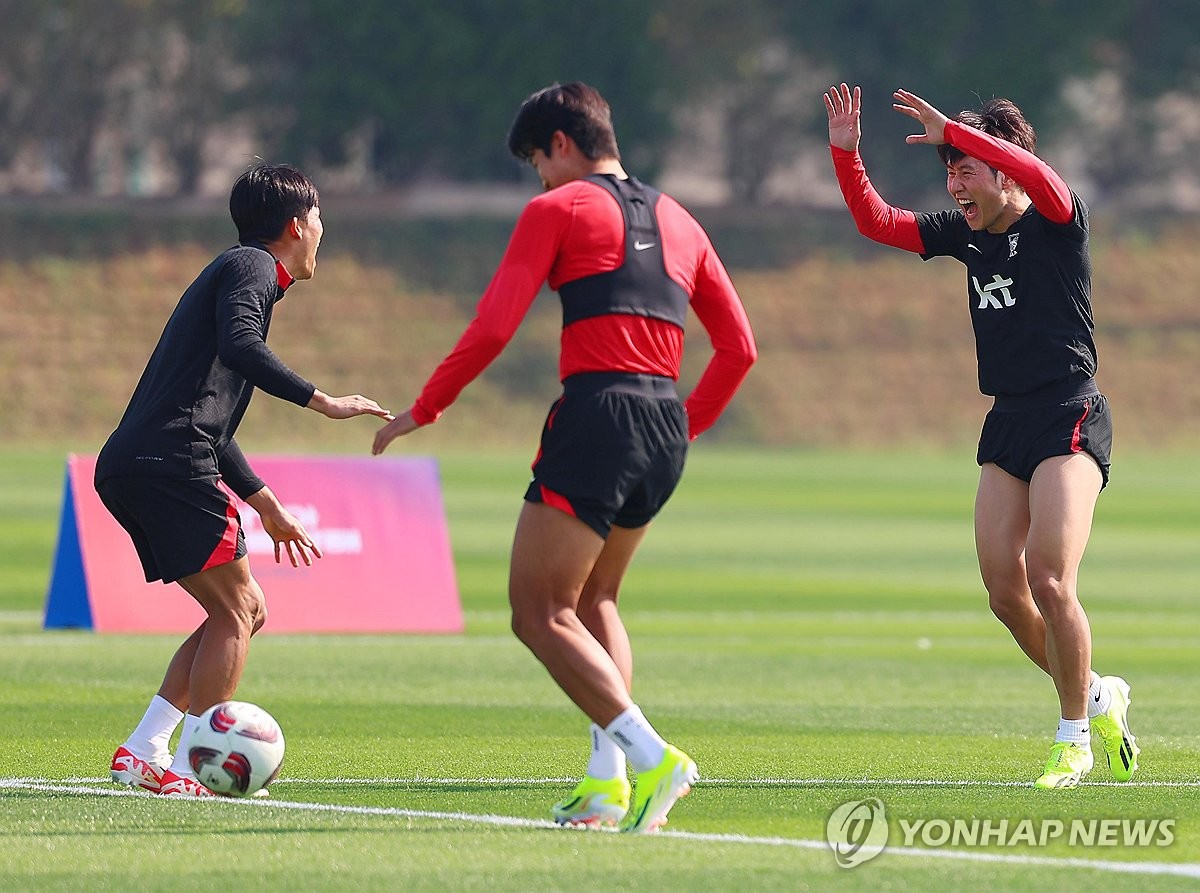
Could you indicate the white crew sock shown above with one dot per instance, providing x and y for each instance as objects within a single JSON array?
[
  {"x": 632, "y": 732},
  {"x": 607, "y": 760},
  {"x": 1075, "y": 731},
  {"x": 1099, "y": 696},
  {"x": 151, "y": 740},
  {"x": 180, "y": 765}
]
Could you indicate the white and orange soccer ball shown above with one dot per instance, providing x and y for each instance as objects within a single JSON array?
[{"x": 236, "y": 749}]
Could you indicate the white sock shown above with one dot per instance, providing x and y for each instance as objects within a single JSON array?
[
  {"x": 607, "y": 760},
  {"x": 1075, "y": 731},
  {"x": 180, "y": 765},
  {"x": 151, "y": 740},
  {"x": 632, "y": 732},
  {"x": 1099, "y": 696}
]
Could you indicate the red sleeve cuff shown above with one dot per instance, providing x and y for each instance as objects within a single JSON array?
[{"x": 423, "y": 416}]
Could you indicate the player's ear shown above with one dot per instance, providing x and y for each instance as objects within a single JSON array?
[{"x": 295, "y": 228}]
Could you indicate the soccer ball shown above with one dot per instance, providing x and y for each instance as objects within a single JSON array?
[{"x": 236, "y": 749}]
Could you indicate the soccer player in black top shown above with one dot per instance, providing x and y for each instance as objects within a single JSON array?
[
  {"x": 1044, "y": 450},
  {"x": 166, "y": 471}
]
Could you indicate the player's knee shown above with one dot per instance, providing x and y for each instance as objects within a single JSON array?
[
  {"x": 536, "y": 627},
  {"x": 1005, "y": 605},
  {"x": 243, "y": 607},
  {"x": 531, "y": 627},
  {"x": 1050, "y": 589},
  {"x": 1008, "y": 592}
]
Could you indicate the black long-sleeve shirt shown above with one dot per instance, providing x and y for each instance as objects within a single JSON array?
[{"x": 211, "y": 356}]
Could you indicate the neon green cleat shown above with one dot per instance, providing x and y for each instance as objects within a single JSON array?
[
  {"x": 1113, "y": 728},
  {"x": 595, "y": 801},
  {"x": 1068, "y": 764},
  {"x": 657, "y": 790}
]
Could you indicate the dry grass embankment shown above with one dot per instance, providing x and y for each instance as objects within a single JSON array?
[{"x": 867, "y": 352}]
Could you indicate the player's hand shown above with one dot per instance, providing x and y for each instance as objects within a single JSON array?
[
  {"x": 347, "y": 407},
  {"x": 398, "y": 427},
  {"x": 288, "y": 533},
  {"x": 843, "y": 106},
  {"x": 930, "y": 118}
]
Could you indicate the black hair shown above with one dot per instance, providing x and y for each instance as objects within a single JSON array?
[
  {"x": 266, "y": 197},
  {"x": 576, "y": 109},
  {"x": 999, "y": 118}
]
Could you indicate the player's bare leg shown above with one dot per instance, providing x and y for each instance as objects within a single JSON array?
[
  {"x": 602, "y": 796},
  {"x": 552, "y": 558},
  {"x": 236, "y": 609},
  {"x": 143, "y": 759},
  {"x": 598, "y": 601},
  {"x": 177, "y": 680},
  {"x": 1062, "y": 501},
  {"x": 176, "y": 684},
  {"x": 1001, "y": 531}
]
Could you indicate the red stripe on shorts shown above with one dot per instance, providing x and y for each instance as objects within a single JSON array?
[
  {"x": 226, "y": 549},
  {"x": 555, "y": 500},
  {"x": 549, "y": 424},
  {"x": 1075, "y": 447}
]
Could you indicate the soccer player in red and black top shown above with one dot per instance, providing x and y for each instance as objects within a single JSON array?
[
  {"x": 166, "y": 471},
  {"x": 627, "y": 262},
  {"x": 1044, "y": 450}
]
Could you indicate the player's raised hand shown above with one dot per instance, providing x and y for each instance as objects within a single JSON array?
[
  {"x": 398, "y": 427},
  {"x": 930, "y": 118},
  {"x": 843, "y": 106},
  {"x": 347, "y": 407}
]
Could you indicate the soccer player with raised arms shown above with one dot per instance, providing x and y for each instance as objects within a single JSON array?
[
  {"x": 627, "y": 262},
  {"x": 166, "y": 471},
  {"x": 1022, "y": 235}
]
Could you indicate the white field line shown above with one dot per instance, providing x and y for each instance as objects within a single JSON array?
[
  {"x": 704, "y": 782},
  {"x": 1190, "y": 870}
]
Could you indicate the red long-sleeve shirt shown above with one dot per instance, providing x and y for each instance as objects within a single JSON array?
[{"x": 578, "y": 230}]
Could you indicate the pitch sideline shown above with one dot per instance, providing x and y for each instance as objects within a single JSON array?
[
  {"x": 704, "y": 782},
  {"x": 1189, "y": 870}
]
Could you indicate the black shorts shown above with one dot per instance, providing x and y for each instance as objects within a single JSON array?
[
  {"x": 613, "y": 449},
  {"x": 178, "y": 526},
  {"x": 1019, "y": 438}
]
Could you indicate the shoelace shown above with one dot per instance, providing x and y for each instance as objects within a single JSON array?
[{"x": 1060, "y": 758}]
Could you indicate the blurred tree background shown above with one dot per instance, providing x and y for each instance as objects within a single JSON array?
[
  {"x": 144, "y": 97},
  {"x": 123, "y": 123}
]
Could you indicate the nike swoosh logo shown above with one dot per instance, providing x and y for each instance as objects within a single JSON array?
[
  {"x": 976, "y": 247},
  {"x": 642, "y": 246}
]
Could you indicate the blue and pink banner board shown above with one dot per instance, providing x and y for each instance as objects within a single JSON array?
[{"x": 387, "y": 565}]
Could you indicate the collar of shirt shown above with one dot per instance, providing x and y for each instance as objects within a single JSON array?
[{"x": 282, "y": 276}]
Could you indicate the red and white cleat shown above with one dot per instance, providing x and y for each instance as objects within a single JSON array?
[
  {"x": 130, "y": 769},
  {"x": 182, "y": 786}
]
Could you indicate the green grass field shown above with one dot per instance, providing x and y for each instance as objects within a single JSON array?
[{"x": 809, "y": 626}]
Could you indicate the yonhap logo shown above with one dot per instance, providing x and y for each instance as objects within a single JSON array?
[{"x": 857, "y": 832}]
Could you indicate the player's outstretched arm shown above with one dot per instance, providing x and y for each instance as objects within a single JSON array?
[
  {"x": 346, "y": 407},
  {"x": 398, "y": 427},
  {"x": 283, "y": 528},
  {"x": 874, "y": 217}
]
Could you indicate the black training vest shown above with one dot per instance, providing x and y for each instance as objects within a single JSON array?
[{"x": 640, "y": 286}]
